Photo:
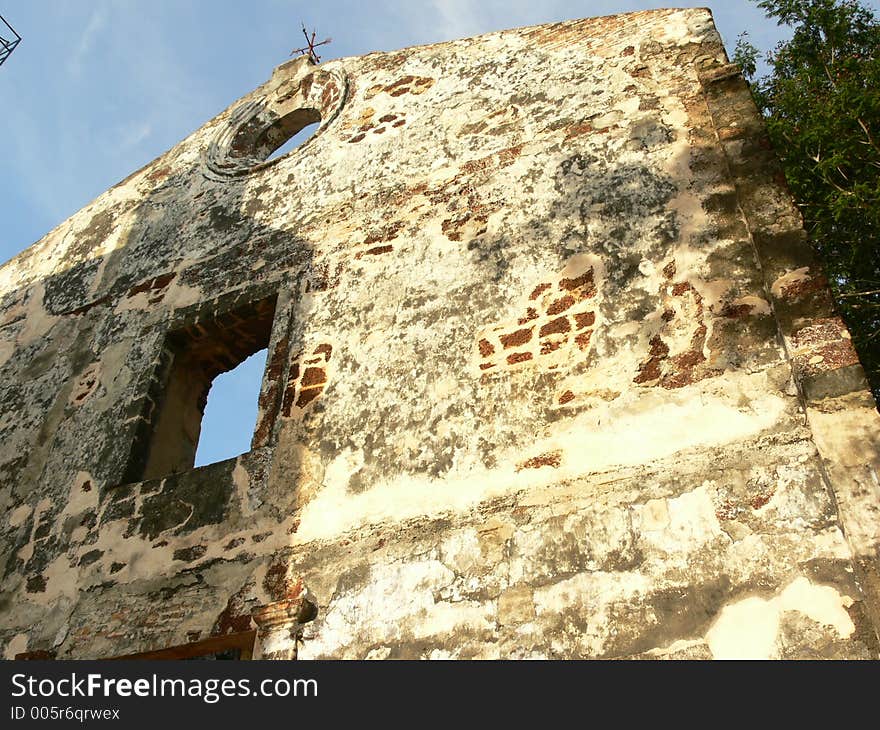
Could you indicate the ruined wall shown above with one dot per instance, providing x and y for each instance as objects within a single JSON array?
[{"x": 551, "y": 373}]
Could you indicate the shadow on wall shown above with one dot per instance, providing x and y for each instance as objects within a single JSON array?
[{"x": 193, "y": 285}]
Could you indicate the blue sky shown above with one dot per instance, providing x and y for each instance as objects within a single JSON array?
[{"x": 98, "y": 88}]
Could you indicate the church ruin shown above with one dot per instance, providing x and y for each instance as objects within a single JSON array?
[{"x": 552, "y": 372}]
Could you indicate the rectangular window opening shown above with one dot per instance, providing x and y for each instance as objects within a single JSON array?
[{"x": 192, "y": 358}]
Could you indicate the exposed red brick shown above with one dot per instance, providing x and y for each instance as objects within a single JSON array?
[
  {"x": 276, "y": 582},
  {"x": 549, "y": 346},
  {"x": 307, "y": 396},
  {"x": 583, "y": 340},
  {"x": 486, "y": 348},
  {"x": 648, "y": 371},
  {"x": 506, "y": 157},
  {"x": 498, "y": 160},
  {"x": 584, "y": 281},
  {"x": 313, "y": 376},
  {"x": 658, "y": 347},
  {"x": 689, "y": 359},
  {"x": 277, "y": 358},
  {"x": 325, "y": 350},
  {"x": 451, "y": 229},
  {"x": 515, "y": 339},
  {"x": 819, "y": 332},
  {"x": 551, "y": 458},
  {"x": 699, "y": 337},
  {"x": 473, "y": 166},
  {"x": 687, "y": 377},
  {"x": 518, "y": 357},
  {"x": 233, "y": 619},
  {"x": 154, "y": 284},
  {"x": 802, "y": 287},
  {"x": 266, "y": 423},
  {"x": 760, "y": 500},
  {"x": 560, "y": 305},
  {"x": 531, "y": 314},
  {"x": 287, "y": 402},
  {"x": 577, "y": 130},
  {"x": 405, "y": 81},
  {"x": 379, "y": 250},
  {"x": 834, "y": 355},
  {"x": 329, "y": 96},
  {"x": 566, "y": 397},
  {"x": 538, "y": 291},
  {"x": 585, "y": 319},
  {"x": 557, "y": 326}
]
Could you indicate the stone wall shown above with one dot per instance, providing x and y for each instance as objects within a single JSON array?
[{"x": 551, "y": 373}]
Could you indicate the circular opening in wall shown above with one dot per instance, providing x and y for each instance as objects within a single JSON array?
[
  {"x": 287, "y": 133},
  {"x": 297, "y": 106}
]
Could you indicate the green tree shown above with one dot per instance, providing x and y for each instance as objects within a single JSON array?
[{"x": 821, "y": 101}]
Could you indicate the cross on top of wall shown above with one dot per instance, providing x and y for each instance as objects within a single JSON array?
[{"x": 310, "y": 46}]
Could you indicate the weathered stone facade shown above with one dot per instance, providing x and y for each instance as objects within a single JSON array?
[{"x": 552, "y": 373}]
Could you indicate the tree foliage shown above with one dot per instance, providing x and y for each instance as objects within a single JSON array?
[{"x": 821, "y": 102}]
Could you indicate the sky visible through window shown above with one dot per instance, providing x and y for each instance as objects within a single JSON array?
[
  {"x": 295, "y": 141},
  {"x": 231, "y": 413}
]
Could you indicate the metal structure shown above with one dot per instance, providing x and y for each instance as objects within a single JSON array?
[
  {"x": 7, "y": 45},
  {"x": 310, "y": 48}
]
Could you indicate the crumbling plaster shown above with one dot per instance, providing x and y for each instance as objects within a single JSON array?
[{"x": 552, "y": 373}]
